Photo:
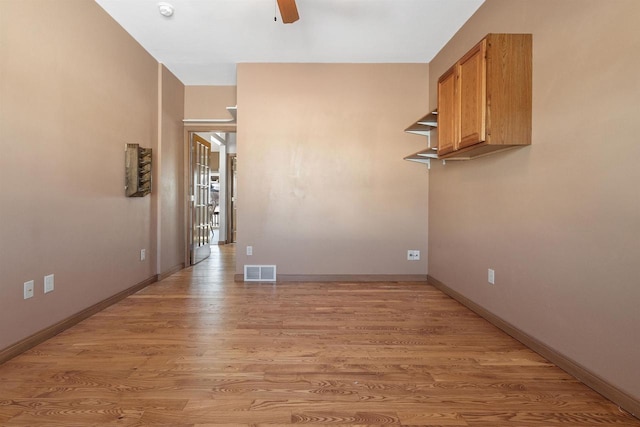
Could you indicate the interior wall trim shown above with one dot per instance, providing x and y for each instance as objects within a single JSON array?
[
  {"x": 53, "y": 330},
  {"x": 358, "y": 278},
  {"x": 605, "y": 388},
  {"x": 171, "y": 271}
]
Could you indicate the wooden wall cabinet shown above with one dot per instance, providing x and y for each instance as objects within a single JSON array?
[
  {"x": 137, "y": 161},
  {"x": 484, "y": 100}
]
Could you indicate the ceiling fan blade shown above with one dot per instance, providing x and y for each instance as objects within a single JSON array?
[{"x": 288, "y": 11}]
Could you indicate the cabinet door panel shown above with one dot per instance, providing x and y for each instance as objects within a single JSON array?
[
  {"x": 447, "y": 122},
  {"x": 473, "y": 94}
]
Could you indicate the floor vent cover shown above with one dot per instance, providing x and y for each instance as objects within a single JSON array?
[{"x": 259, "y": 273}]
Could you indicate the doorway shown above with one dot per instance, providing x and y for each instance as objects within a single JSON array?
[{"x": 211, "y": 191}]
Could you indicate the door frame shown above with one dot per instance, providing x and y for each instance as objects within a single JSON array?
[
  {"x": 188, "y": 129},
  {"x": 232, "y": 188}
]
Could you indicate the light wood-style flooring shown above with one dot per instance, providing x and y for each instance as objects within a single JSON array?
[{"x": 199, "y": 349}]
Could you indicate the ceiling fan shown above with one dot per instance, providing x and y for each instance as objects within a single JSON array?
[{"x": 288, "y": 11}]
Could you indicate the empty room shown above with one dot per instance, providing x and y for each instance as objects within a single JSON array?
[{"x": 319, "y": 212}]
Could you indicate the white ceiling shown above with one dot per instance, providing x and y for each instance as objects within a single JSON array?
[{"x": 205, "y": 39}]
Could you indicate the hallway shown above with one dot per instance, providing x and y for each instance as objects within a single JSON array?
[{"x": 200, "y": 349}]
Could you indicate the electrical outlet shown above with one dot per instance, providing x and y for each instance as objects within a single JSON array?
[
  {"x": 48, "y": 283},
  {"x": 491, "y": 276},
  {"x": 28, "y": 289},
  {"x": 249, "y": 250},
  {"x": 143, "y": 254},
  {"x": 413, "y": 255}
]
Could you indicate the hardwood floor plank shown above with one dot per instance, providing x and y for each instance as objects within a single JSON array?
[
  {"x": 198, "y": 349},
  {"x": 349, "y": 418},
  {"x": 71, "y": 412},
  {"x": 578, "y": 419},
  {"x": 432, "y": 419},
  {"x": 214, "y": 415}
]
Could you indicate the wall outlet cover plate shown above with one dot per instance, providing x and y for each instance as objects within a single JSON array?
[{"x": 28, "y": 289}]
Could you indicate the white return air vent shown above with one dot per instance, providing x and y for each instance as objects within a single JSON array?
[{"x": 259, "y": 273}]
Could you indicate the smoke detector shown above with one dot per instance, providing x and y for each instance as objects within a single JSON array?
[{"x": 165, "y": 9}]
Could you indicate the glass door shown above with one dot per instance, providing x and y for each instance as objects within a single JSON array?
[
  {"x": 232, "y": 171},
  {"x": 201, "y": 208}
]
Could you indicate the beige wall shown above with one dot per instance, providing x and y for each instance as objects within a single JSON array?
[
  {"x": 74, "y": 88},
  {"x": 322, "y": 187},
  {"x": 208, "y": 102},
  {"x": 170, "y": 160},
  {"x": 558, "y": 221}
]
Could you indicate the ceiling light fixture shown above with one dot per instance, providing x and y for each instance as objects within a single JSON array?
[{"x": 165, "y": 9}]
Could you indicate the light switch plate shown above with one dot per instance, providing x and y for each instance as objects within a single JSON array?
[
  {"x": 491, "y": 276},
  {"x": 48, "y": 283}
]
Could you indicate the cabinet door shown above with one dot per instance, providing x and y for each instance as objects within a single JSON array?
[
  {"x": 447, "y": 114},
  {"x": 472, "y": 85}
]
